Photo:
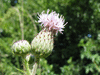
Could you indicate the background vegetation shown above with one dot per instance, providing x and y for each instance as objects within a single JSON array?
[{"x": 76, "y": 52}]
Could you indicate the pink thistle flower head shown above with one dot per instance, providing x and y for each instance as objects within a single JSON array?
[{"x": 52, "y": 21}]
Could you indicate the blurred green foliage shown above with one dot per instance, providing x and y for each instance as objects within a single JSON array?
[{"x": 76, "y": 52}]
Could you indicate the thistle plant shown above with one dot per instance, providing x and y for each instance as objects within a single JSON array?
[{"x": 42, "y": 45}]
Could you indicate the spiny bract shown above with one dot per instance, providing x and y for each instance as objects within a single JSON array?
[{"x": 42, "y": 44}]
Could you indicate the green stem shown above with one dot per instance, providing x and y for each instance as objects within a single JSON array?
[
  {"x": 22, "y": 23},
  {"x": 27, "y": 68},
  {"x": 17, "y": 62},
  {"x": 25, "y": 62},
  {"x": 35, "y": 66}
]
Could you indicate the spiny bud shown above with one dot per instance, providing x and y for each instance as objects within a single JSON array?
[
  {"x": 21, "y": 47},
  {"x": 42, "y": 44}
]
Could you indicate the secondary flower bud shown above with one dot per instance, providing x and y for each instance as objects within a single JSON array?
[
  {"x": 30, "y": 58},
  {"x": 21, "y": 47},
  {"x": 42, "y": 44}
]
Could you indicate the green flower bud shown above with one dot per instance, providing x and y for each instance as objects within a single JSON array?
[
  {"x": 30, "y": 58},
  {"x": 42, "y": 44},
  {"x": 21, "y": 47}
]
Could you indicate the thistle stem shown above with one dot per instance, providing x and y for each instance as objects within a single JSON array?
[
  {"x": 22, "y": 24},
  {"x": 35, "y": 66},
  {"x": 26, "y": 66}
]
